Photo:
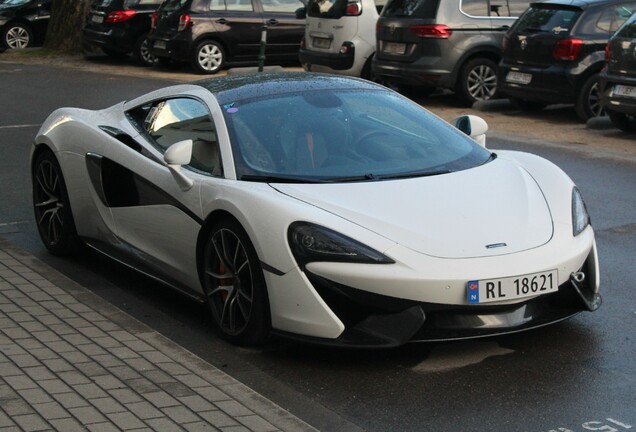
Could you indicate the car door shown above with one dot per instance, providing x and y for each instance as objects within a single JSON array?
[
  {"x": 238, "y": 23},
  {"x": 285, "y": 28},
  {"x": 42, "y": 16},
  {"x": 154, "y": 214}
]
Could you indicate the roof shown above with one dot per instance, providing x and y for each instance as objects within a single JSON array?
[{"x": 238, "y": 87}]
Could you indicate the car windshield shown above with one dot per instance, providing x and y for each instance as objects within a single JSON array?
[
  {"x": 343, "y": 135},
  {"x": 327, "y": 8},
  {"x": 14, "y": 2}
]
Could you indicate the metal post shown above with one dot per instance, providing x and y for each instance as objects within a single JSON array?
[{"x": 261, "y": 53}]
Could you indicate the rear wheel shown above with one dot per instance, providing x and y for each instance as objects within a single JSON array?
[
  {"x": 51, "y": 206},
  {"x": 209, "y": 57},
  {"x": 625, "y": 122},
  {"x": 235, "y": 286},
  {"x": 477, "y": 80},
  {"x": 17, "y": 36},
  {"x": 141, "y": 53},
  {"x": 587, "y": 103}
]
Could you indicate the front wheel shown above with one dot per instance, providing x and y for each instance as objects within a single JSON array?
[
  {"x": 235, "y": 286},
  {"x": 209, "y": 57},
  {"x": 625, "y": 122},
  {"x": 587, "y": 103},
  {"x": 51, "y": 206},
  {"x": 477, "y": 80},
  {"x": 17, "y": 36}
]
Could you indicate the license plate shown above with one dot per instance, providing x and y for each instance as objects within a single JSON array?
[
  {"x": 627, "y": 91},
  {"x": 510, "y": 288},
  {"x": 518, "y": 77},
  {"x": 97, "y": 19},
  {"x": 394, "y": 48},
  {"x": 321, "y": 43},
  {"x": 160, "y": 45}
]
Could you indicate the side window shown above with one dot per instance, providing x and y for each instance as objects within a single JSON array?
[
  {"x": 475, "y": 7},
  {"x": 595, "y": 23},
  {"x": 629, "y": 31},
  {"x": 232, "y": 5},
  {"x": 173, "y": 120},
  {"x": 284, "y": 6},
  {"x": 508, "y": 8},
  {"x": 622, "y": 14}
]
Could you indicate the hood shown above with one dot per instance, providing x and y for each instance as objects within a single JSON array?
[{"x": 494, "y": 209}]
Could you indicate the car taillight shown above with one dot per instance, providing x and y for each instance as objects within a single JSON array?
[
  {"x": 567, "y": 49},
  {"x": 153, "y": 20},
  {"x": 354, "y": 8},
  {"x": 184, "y": 22},
  {"x": 608, "y": 53},
  {"x": 119, "y": 16},
  {"x": 439, "y": 31}
]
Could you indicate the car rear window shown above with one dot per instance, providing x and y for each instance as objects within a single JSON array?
[
  {"x": 506, "y": 8},
  {"x": 411, "y": 8},
  {"x": 552, "y": 19},
  {"x": 172, "y": 5},
  {"x": 327, "y": 8}
]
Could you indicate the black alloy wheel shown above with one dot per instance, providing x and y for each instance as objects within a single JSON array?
[
  {"x": 235, "y": 286},
  {"x": 588, "y": 102},
  {"x": 51, "y": 206},
  {"x": 141, "y": 53}
]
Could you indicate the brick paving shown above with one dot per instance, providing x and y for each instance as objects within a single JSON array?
[{"x": 70, "y": 361}]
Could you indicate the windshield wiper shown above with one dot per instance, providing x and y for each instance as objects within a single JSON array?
[
  {"x": 363, "y": 177},
  {"x": 280, "y": 179},
  {"x": 414, "y": 174}
]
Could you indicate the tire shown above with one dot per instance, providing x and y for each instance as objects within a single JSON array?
[
  {"x": 587, "y": 104},
  {"x": 527, "y": 105},
  {"x": 17, "y": 36},
  {"x": 208, "y": 57},
  {"x": 51, "y": 206},
  {"x": 140, "y": 52},
  {"x": 625, "y": 122},
  {"x": 235, "y": 286},
  {"x": 477, "y": 80}
]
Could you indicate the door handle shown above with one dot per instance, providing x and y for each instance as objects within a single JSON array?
[
  {"x": 222, "y": 21},
  {"x": 272, "y": 22}
]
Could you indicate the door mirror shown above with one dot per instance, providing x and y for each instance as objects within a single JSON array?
[
  {"x": 179, "y": 154},
  {"x": 473, "y": 126},
  {"x": 301, "y": 13}
]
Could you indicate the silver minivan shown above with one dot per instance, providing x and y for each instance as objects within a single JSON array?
[
  {"x": 340, "y": 36},
  {"x": 453, "y": 44}
]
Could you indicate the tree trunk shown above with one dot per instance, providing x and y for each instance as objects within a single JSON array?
[{"x": 65, "y": 28}]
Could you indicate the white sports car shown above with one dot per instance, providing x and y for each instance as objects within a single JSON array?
[{"x": 322, "y": 208}]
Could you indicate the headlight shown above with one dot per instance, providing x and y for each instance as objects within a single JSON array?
[
  {"x": 310, "y": 242},
  {"x": 580, "y": 217}
]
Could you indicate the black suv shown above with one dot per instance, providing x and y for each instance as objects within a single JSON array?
[
  {"x": 618, "y": 78},
  {"x": 121, "y": 27},
  {"x": 555, "y": 52},
  {"x": 211, "y": 34},
  {"x": 23, "y": 23}
]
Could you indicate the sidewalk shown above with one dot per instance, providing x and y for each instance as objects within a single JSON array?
[{"x": 71, "y": 361}]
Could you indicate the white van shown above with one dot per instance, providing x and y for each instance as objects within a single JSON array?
[{"x": 340, "y": 36}]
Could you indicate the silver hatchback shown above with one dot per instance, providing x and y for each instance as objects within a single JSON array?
[{"x": 453, "y": 44}]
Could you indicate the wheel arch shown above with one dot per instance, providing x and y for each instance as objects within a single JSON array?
[
  {"x": 212, "y": 38},
  {"x": 17, "y": 20},
  {"x": 485, "y": 52},
  {"x": 206, "y": 229}
]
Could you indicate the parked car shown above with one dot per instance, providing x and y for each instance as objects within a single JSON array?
[
  {"x": 23, "y": 23},
  {"x": 452, "y": 44},
  {"x": 340, "y": 37},
  {"x": 555, "y": 52},
  {"x": 618, "y": 79},
  {"x": 213, "y": 34},
  {"x": 344, "y": 214},
  {"x": 121, "y": 27}
]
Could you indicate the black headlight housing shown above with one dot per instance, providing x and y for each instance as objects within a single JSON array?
[{"x": 310, "y": 242}]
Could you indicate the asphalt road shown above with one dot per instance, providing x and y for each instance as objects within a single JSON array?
[{"x": 575, "y": 376}]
